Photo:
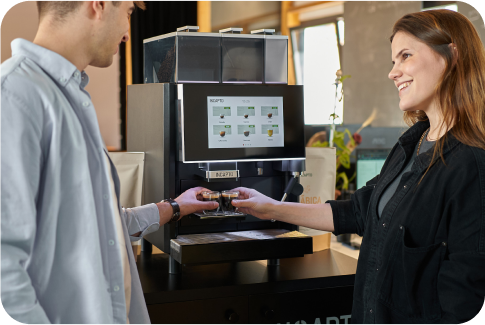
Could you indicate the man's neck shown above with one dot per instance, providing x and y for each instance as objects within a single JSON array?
[{"x": 69, "y": 44}]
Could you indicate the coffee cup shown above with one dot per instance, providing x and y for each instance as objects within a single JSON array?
[
  {"x": 222, "y": 116},
  {"x": 211, "y": 196},
  {"x": 270, "y": 133},
  {"x": 246, "y": 133},
  {"x": 246, "y": 115},
  {"x": 222, "y": 133},
  {"x": 227, "y": 197},
  {"x": 270, "y": 115}
]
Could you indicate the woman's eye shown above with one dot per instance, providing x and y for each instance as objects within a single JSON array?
[{"x": 405, "y": 56}]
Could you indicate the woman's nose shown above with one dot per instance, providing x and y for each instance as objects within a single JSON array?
[{"x": 395, "y": 73}]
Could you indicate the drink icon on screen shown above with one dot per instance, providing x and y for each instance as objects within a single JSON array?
[
  {"x": 270, "y": 115},
  {"x": 270, "y": 133},
  {"x": 222, "y": 116},
  {"x": 246, "y": 116},
  {"x": 222, "y": 133},
  {"x": 246, "y": 133}
]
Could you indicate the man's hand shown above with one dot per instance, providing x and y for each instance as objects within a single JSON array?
[
  {"x": 252, "y": 202},
  {"x": 190, "y": 201}
]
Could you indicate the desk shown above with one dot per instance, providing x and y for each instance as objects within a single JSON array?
[{"x": 314, "y": 288}]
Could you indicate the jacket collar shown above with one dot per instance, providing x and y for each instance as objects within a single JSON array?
[
  {"x": 54, "y": 64},
  {"x": 412, "y": 136}
]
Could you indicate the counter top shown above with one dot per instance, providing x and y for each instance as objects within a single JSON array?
[{"x": 324, "y": 269}]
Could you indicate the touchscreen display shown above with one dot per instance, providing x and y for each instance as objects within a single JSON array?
[
  {"x": 244, "y": 122},
  {"x": 223, "y": 122}
]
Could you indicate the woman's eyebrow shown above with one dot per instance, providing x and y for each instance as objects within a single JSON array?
[{"x": 400, "y": 52}]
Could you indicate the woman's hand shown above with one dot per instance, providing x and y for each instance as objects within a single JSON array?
[{"x": 252, "y": 202}]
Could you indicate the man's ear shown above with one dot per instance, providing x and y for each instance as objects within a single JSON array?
[{"x": 97, "y": 8}]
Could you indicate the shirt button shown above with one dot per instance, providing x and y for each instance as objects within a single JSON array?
[
  {"x": 443, "y": 243},
  {"x": 76, "y": 74},
  {"x": 384, "y": 225},
  {"x": 116, "y": 288},
  {"x": 405, "y": 186},
  {"x": 400, "y": 227},
  {"x": 371, "y": 311},
  {"x": 105, "y": 196},
  {"x": 63, "y": 79},
  {"x": 111, "y": 242},
  {"x": 86, "y": 104}
]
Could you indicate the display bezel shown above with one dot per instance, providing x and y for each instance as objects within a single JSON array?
[{"x": 195, "y": 146}]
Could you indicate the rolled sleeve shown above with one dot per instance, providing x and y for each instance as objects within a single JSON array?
[
  {"x": 341, "y": 211},
  {"x": 144, "y": 219},
  {"x": 350, "y": 216}
]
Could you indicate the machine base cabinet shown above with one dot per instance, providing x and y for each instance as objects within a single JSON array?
[
  {"x": 210, "y": 311},
  {"x": 319, "y": 306}
]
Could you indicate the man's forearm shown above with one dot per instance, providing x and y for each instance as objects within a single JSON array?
[
  {"x": 166, "y": 212},
  {"x": 315, "y": 216}
]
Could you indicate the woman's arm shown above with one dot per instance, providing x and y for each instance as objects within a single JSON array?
[{"x": 315, "y": 216}]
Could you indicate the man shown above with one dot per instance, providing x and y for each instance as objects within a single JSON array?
[{"x": 66, "y": 256}]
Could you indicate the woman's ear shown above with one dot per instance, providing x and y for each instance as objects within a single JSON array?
[{"x": 454, "y": 52}]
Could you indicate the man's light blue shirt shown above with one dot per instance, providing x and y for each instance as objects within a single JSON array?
[{"x": 60, "y": 259}]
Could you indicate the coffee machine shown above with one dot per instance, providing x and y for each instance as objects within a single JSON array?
[{"x": 216, "y": 111}]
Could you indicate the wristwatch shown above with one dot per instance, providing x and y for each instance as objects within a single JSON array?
[{"x": 175, "y": 209}]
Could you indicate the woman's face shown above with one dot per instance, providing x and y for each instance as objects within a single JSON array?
[{"x": 416, "y": 72}]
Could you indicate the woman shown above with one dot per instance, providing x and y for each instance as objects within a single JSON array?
[{"x": 423, "y": 218}]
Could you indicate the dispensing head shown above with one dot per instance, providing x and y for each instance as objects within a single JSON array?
[{"x": 292, "y": 166}]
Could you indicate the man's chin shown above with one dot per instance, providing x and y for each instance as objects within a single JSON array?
[{"x": 102, "y": 63}]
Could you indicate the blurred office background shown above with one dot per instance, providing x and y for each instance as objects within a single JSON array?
[{"x": 324, "y": 36}]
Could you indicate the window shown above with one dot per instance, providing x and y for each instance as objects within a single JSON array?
[
  {"x": 317, "y": 57},
  {"x": 453, "y": 7},
  {"x": 431, "y": 5}
]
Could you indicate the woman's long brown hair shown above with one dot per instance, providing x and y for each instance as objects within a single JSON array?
[{"x": 461, "y": 91}]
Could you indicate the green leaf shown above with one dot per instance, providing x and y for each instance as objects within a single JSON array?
[
  {"x": 345, "y": 77},
  {"x": 320, "y": 144},
  {"x": 345, "y": 160},
  {"x": 351, "y": 138},
  {"x": 353, "y": 177},
  {"x": 345, "y": 180},
  {"x": 339, "y": 142}
]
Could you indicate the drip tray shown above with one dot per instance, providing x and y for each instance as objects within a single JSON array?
[
  {"x": 219, "y": 215},
  {"x": 240, "y": 246}
]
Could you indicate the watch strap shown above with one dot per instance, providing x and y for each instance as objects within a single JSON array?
[{"x": 175, "y": 209}]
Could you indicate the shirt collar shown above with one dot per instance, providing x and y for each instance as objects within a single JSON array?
[{"x": 57, "y": 66}]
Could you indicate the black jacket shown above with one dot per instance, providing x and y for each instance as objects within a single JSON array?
[{"x": 423, "y": 261}]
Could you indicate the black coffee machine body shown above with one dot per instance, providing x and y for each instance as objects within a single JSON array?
[{"x": 216, "y": 112}]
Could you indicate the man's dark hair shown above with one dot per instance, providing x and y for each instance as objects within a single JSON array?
[{"x": 62, "y": 8}]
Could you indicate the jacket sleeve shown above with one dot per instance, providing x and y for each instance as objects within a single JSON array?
[
  {"x": 21, "y": 165},
  {"x": 349, "y": 216},
  {"x": 144, "y": 219},
  {"x": 461, "y": 279}
]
